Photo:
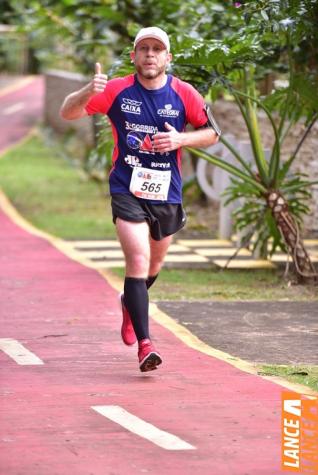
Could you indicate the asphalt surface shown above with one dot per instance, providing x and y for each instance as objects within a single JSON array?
[{"x": 262, "y": 332}]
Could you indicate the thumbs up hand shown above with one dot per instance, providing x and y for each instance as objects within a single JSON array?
[{"x": 99, "y": 81}]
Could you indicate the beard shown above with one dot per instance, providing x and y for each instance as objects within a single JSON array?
[{"x": 150, "y": 74}]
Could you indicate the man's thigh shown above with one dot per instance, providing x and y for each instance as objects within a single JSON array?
[{"x": 134, "y": 240}]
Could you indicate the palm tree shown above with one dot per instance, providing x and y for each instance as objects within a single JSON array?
[{"x": 273, "y": 197}]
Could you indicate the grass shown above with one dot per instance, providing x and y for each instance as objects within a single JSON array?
[
  {"x": 52, "y": 194},
  {"x": 205, "y": 284},
  {"x": 307, "y": 375}
]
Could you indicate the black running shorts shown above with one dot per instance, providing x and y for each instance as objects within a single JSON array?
[{"x": 163, "y": 219}]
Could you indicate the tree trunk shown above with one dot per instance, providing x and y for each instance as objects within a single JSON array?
[{"x": 289, "y": 230}]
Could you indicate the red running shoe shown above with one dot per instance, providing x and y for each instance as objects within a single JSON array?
[
  {"x": 127, "y": 329},
  {"x": 148, "y": 357}
]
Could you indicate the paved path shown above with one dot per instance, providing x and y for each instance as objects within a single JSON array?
[
  {"x": 72, "y": 367},
  {"x": 263, "y": 332},
  {"x": 21, "y": 109},
  {"x": 67, "y": 315}
]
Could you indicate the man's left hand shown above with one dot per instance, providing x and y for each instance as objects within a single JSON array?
[{"x": 167, "y": 141}]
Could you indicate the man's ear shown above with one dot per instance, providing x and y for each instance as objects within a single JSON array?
[
  {"x": 132, "y": 56},
  {"x": 168, "y": 62}
]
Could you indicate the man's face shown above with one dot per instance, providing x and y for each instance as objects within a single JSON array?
[{"x": 151, "y": 58}]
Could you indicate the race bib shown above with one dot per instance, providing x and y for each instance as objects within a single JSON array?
[{"x": 150, "y": 184}]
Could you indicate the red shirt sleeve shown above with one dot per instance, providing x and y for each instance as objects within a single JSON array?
[
  {"x": 194, "y": 103},
  {"x": 101, "y": 103},
  {"x": 97, "y": 104}
]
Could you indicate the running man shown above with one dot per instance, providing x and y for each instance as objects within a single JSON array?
[{"x": 148, "y": 112}]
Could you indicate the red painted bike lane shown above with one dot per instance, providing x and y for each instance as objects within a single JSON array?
[
  {"x": 67, "y": 315},
  {"x": 20, "y": 110}
]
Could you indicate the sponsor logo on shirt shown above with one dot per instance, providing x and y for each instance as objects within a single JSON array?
[
  {"x": 131, "y": 106},
  {"x": 168, "y": 111},
  {"x": 147, "y": 129},
  {"x": 132, "y": 161},
  {"x": 160, "y": 165},
  {"x": 139, "y": 141}
]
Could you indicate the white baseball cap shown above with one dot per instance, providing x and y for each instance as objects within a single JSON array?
[{"x": 153, "y": 32}]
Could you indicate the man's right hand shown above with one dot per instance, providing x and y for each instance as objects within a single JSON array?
[
  {"x": 99, "y": 81},
  {"x": 74, "y": 104}
]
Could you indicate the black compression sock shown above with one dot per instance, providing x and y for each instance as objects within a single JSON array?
[
  {"x": 151, "y": 279},
  {"x": 137, "y": 302}
]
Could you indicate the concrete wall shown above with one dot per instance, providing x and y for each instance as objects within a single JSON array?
[{"x": 59, "y": 84}]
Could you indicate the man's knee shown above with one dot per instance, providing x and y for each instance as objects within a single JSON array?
[
  {"x": 155, "y": 266},
  {"x": 138, "y": 263}
]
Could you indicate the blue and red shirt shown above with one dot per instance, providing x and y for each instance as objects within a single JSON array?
[{"x": 136, "y": 114}]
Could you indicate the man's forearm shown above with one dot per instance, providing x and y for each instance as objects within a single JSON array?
[
  {"x": 172, "y": 140},
  {"x": 74, "y": 104},
  {"x": 199, "y": 138}
]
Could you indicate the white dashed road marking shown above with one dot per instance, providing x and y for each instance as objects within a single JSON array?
[
  {"x": 14, "y": 108},
  {"x": 19, "y": 353},
  {"x": 138, "y": 426}
]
